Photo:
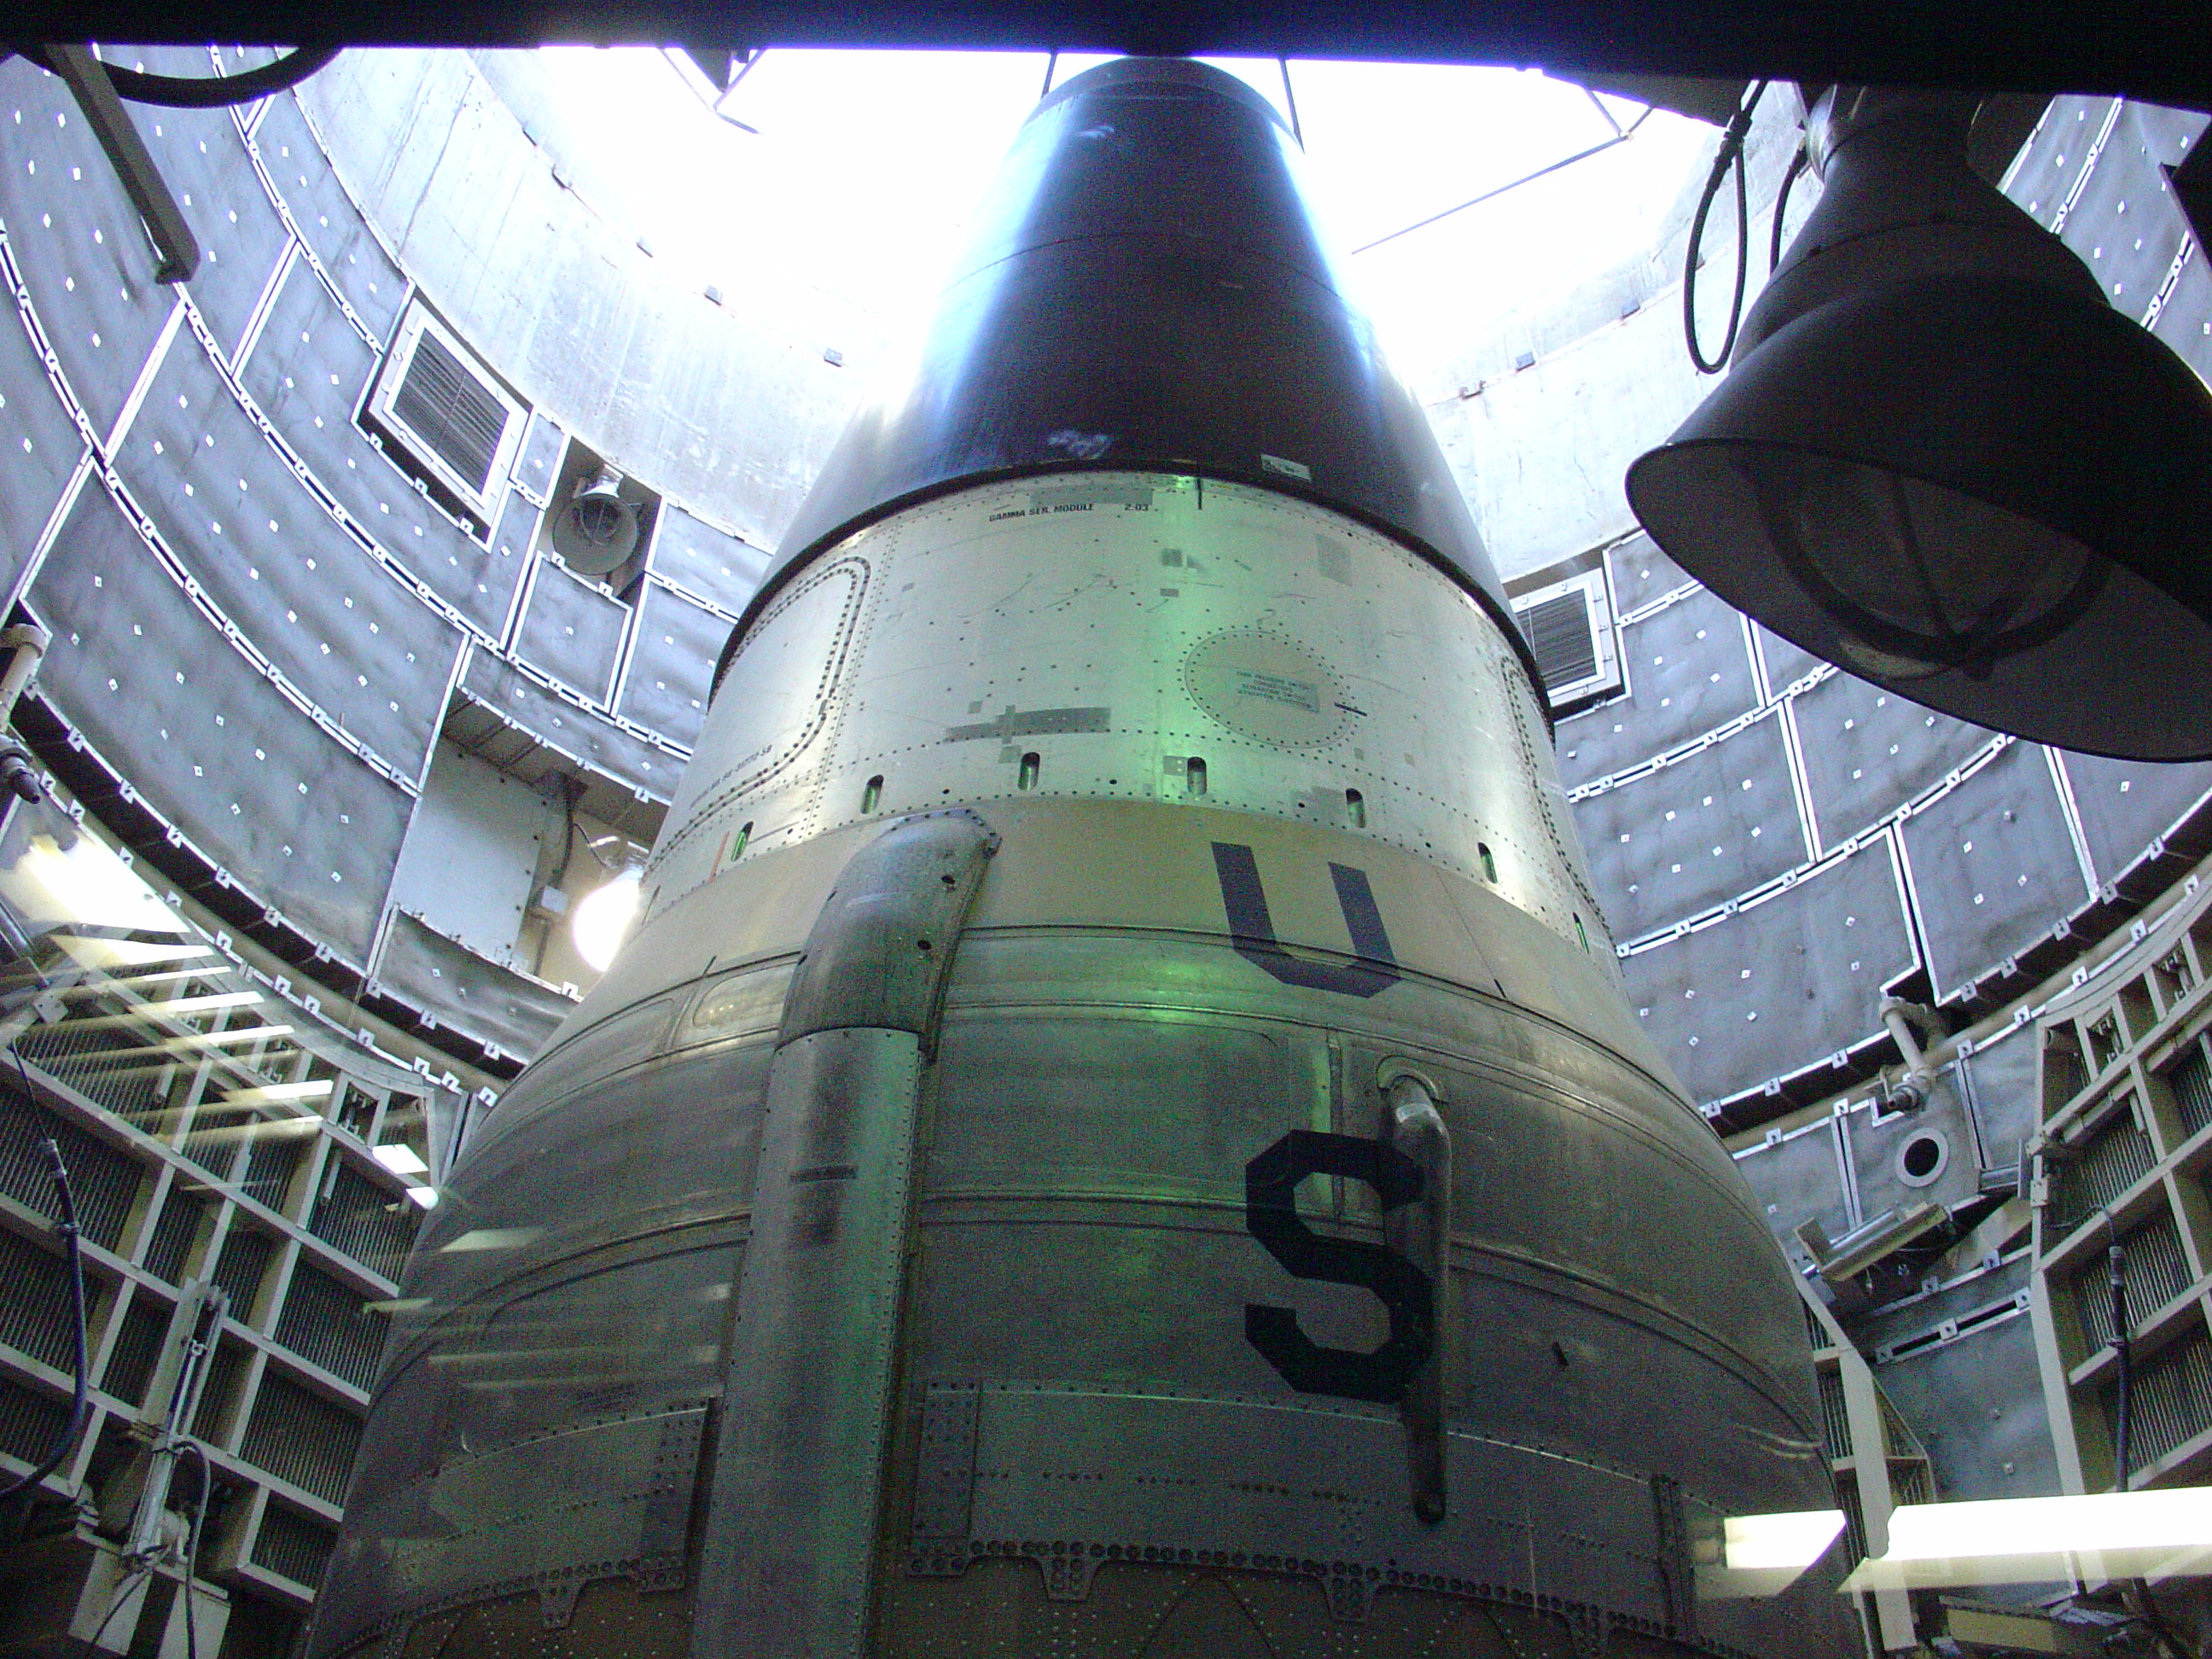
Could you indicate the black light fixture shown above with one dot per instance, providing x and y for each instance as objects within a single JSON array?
[{"x": 1942, "y": 462}]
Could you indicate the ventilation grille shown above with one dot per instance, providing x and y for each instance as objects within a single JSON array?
[
  {"x": 168, "y": 1253},
  {"x": 2114, "y": 1157},
  {"x": 2171, "y": 1404},
  {"x": 330, "y": 1326},
  {"x": 138, "y": 1348},
  {"x": 454, "y": 424},
  {"x": 34, "y": 1313},
  {"x": 1569, "y": 627},
  {"x": 105, "y": 1182},
  {"x": 2156, "y": 1272},
  {"x": 369, "y": 1223},
  {"x": 2192, "y": 1082},
  {"x": 1558, "y": 633},
  {"x": 301, "y": 1437},
  {"x": 245, "y": 1258},
  {"x": 457, "y": 416},
  {"x": 272, "y": 1159},
  {"x": 1835, "y": 1416},
  {"x": 292, "y": 1544}
]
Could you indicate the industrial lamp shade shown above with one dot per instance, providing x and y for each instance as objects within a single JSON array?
[{"x": 1980, "y": 487}]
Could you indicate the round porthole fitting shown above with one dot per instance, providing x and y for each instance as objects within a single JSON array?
[{"x": 1923, "y": 1159}]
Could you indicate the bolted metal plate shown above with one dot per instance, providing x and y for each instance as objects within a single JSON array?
[
  {"x": 40, "y": 446},
  {"x": 1802, "y": 1178},
  {"x": 1689, "y": 671},
  {"x": 326, "y": 218},
  {"x": 1868, "y": 751},
  {"x": 1673, "y": 844},
  {"x": 2125, "y": 224},
  {"x": 1992, "y": 870},
  {"x": 492, "y": 1003},
  {"x": 572, "y": 630},
  {"x": 2125, "y": 806},
  {"x": 1780, "y": 985},
  {"x": 532, "y": 707},
  {"x": 1877, "y": 1147},
  {"x": 77, "y": 240},
  {"x": 606, "y": 1500},
  {"x": 537, "y": 462},
  {"x": 308, "y": 370},
  {"x": 337, "y": 624},
  {"x": 208, "y": 742},
  {"x": 1642, "y": 574},
  {"x": 2002, "y": 1078},
  {"x": 1977, "y": 1404},
  {"x": 691, "y": 554},
  {"x": 665, "y": 687}
]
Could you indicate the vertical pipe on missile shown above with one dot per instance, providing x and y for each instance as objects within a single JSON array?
[
  {"x": 785, "y": 1560},
  {"x": 1421, "y": 1232}
]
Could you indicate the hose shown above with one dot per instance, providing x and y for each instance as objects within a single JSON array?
[
  {"x": 1798, "y": 163},
  {"x": 1729, "y": 158},
  {"x": 206, "y": 91}
]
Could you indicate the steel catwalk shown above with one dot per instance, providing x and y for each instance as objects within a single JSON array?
[{"x": 1118, "y": 1132}]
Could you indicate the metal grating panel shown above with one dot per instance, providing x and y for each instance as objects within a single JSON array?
[
  {"x": 29, "y": 1423},
  {"x": 2156, "y": 1272},
  {"x": 291, "y": 1544},
  {"x": 2172, "y": 1400},
  {"x": 2113, "y": 1159},
  {"x": 215, "y": 1140},
  {"x": 137, "y": 1348},
  {"x": 372, "y": 1224},
  {"x": 272, "y": 1160},
  {"x": 219, "y": 1392},
  {"x": 240, "y": 1268},
  {"x": 449, "y": 407},
  {"x": 326, "y": 218},
  {"x": 300, "y": 1437},
  {"x": 79, "y": 1056},
  {"x": 35, "y": 1314},
  {"x": 329, "y": 1324},
  {"x": 104, "y": 1179},
  {"x": 92, "y": 287},
  {"x": 1835, "y": 1416},
  {"x": 176, "y": 1230},
  {"x": 678, "y": 642},
  {"x": 1558, "y": 632},
  {"x": 190, "y": 722},
  {"x": 2191, "y": 1083}
]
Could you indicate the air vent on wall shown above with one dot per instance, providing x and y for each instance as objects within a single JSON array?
[
  {"x": 1569, "y": 626},
  {"x": 449, "y": 413}
]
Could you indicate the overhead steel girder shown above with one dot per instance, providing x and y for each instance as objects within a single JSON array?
[{"x": 2156, "y": 51}]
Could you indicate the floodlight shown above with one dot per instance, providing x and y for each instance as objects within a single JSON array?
[{"x": 1942, "y": 462}]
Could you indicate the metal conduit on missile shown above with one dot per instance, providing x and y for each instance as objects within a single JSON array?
[{"x": 1118, "y": 1131}]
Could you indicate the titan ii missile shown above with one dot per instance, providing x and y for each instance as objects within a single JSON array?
[{"x": 1118, "y": 1131}]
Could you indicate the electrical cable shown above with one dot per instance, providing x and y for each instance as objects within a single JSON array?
[
  {"x": 2116, "y": 1262},
  {"x": 1729, "y": 158},
  {"x": 1798, "y": 163},
  {"x": 206, "y": 91},
  {"x": 122, "y": 1595},
  {"x": 57, "y": 1172},
  {"x": 193, "y": 1448}
]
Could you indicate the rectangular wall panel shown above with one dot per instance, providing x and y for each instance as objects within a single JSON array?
[
  {"x": 573, "y": 631},
  {"x": 327, "y": 218},
  {"x": 1689, "y": 671},
  {"x": 1780, "y": 984},
  {"x": 210, "y": 743},
  {"x": 691, "y": 554},
  {"x": 1993, "y": 867},
  {"x": 77, "y": 241},
  {"x": 308, "y": 372},
  {"x": 2125, "y": 806},
  {"x": 40, "y": 444},
  {"x": 597, "y": 742},
  {"x": 1868, "y": 751},
  {"x": 364, "y": 649},
  {"x": 1675, "y": 843},
  {"x": 678, "y": 644}
]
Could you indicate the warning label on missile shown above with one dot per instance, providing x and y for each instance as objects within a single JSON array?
[{"x": 1273, "y": 687}]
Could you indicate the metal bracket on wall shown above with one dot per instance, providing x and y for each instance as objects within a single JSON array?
[{"x": 178, "y": 249}]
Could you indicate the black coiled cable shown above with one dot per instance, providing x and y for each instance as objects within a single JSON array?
[{"x": 1729, "y": 158}]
